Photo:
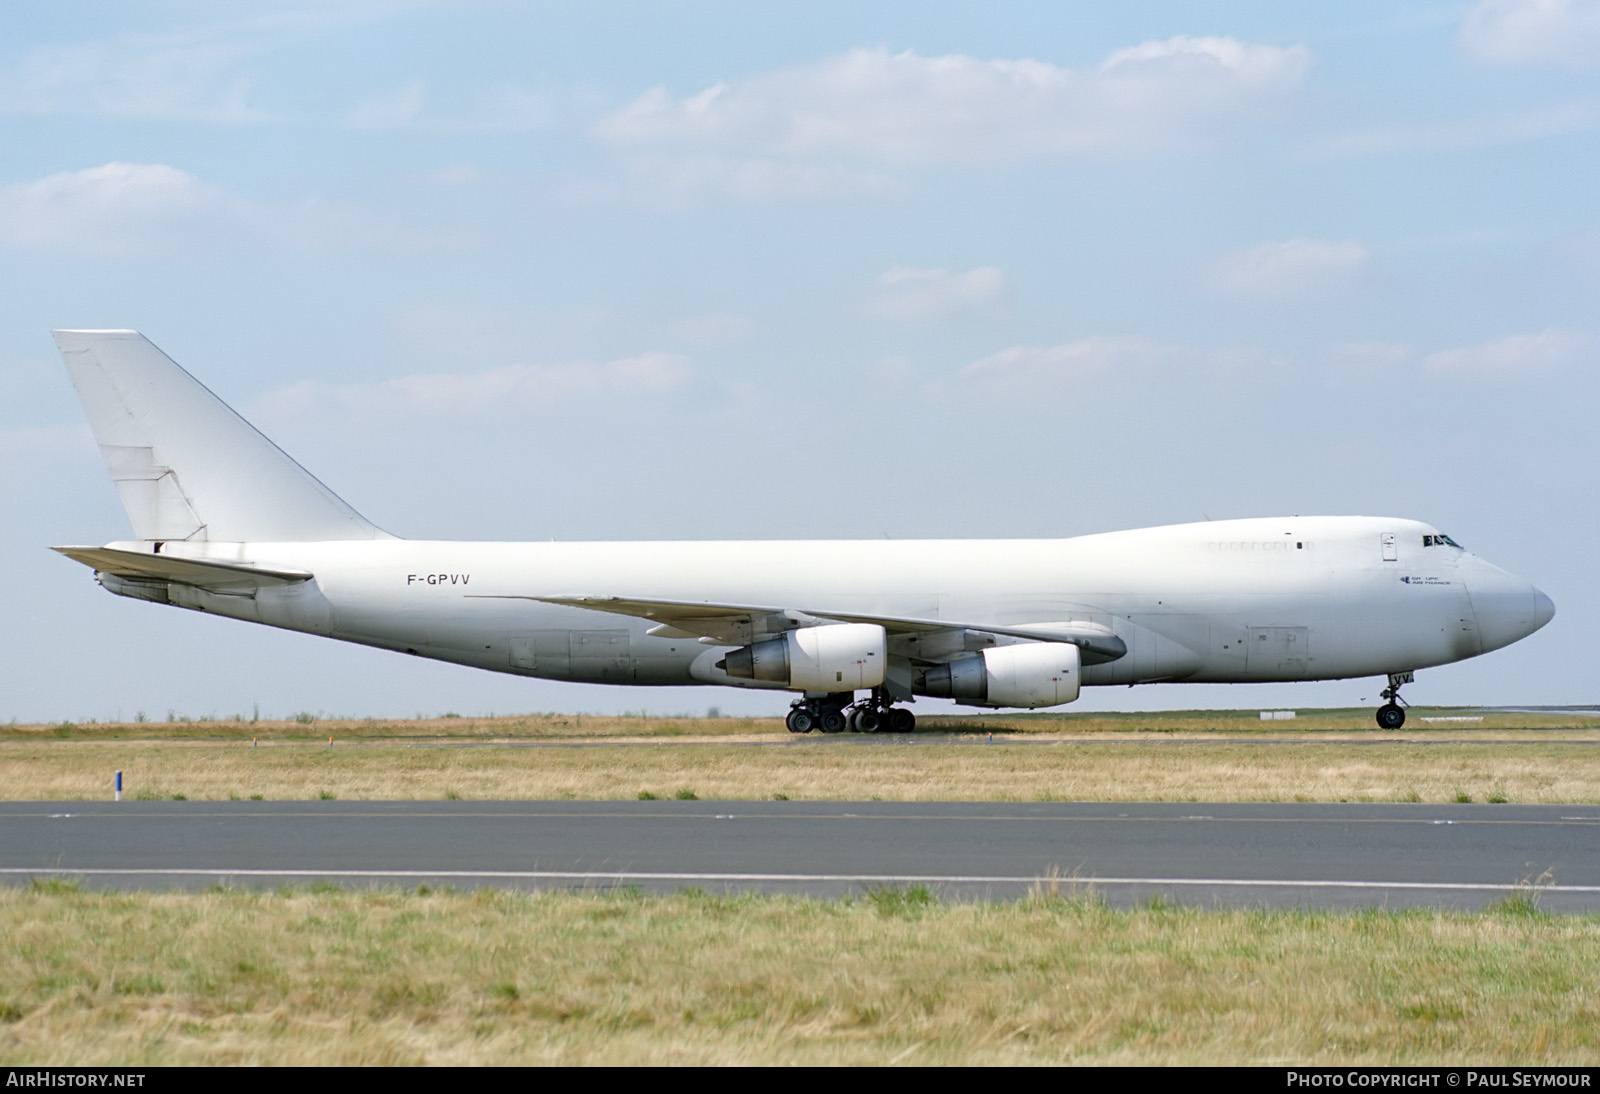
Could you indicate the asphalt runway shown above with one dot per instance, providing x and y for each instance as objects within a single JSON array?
[{"x": 1251, "y": 855}]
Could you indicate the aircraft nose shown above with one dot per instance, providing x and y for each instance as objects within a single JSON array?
[{"x": 1507, "y": 608}]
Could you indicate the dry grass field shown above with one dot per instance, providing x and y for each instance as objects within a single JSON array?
[
  {"x": 331, "y": 977},
  {"x": 1193, "y": 756}
]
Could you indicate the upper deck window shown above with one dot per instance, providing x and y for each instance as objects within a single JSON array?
[{"x": 1439, "y": 540}]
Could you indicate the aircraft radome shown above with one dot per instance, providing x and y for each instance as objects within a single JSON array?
[{"x": 225, "y": 522}]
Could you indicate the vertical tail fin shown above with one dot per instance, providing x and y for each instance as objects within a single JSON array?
[{"x": 187, "y": 467}]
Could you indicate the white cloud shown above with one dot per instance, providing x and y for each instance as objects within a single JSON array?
[
  {"x": 512, "y": 109},
  {"x": 1484, "y": 131},
  {"x": 198, "y": 73},
  {"x": 125, "y": 208},
  {"x": 676, "y": 179},
  {"x": 1564, "y": 33},
  {"x": 461, "y": 335},
  {"x": 503, "y": 109},
  {"x": 911, "y": 294},
  {"x": 873, "y": 106},
  {"x": 396, "y": 110},
  {"x": 711, "y": 330},
  {"x": 1291, "y": 268},
  {"x": 190, "y": 77},
  {"x": 114, "y": 208},
  {"x": 1042, "y": 367},
  {"x": 510, "y": 389},
  {"x": 1514, "y": 354},
  {"x": 457, "y": 174},
  {"x": 1090, "y": 364},
  {"x": 1372, "y": 356}
]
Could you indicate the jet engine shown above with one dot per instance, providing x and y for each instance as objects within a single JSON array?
[
  {"x": 1032, "y": 674},
  {"x": 837, "y": 657}
]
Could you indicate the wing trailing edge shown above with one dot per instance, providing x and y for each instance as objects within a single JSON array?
[{"x": 737, "y": 624}]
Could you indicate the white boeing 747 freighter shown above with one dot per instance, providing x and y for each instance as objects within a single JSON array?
[{"x": 225, "y": 522}]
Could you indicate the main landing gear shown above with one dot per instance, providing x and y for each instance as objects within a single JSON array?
[
  {"x": 824, "y": 714},
  {"x": 1392, "y": 715},
  {"x": 838, "y": 712}
]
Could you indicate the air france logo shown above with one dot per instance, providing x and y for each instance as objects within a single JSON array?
[{"x": 1424, "y": 581}]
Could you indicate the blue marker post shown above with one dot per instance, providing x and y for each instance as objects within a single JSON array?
[{"x": 119, "y": 786}]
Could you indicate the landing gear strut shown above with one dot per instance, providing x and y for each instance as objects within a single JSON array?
[
  {"x": 835, "y": 713},
  {"x": 1392, "y": 715}
]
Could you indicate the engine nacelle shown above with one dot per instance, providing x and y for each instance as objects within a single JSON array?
[
  {"x": 840, "y": 657},
  {"x": 1033, "y": 674}
]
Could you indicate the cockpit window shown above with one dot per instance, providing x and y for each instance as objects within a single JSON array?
[{"x": 1440, "y": 541}]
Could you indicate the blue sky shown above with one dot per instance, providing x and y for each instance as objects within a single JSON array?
[{"x": 704, "y": 270}]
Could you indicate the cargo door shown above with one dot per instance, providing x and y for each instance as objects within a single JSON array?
[
  {"x": 1278, "y": 653},
  {"x": 601, "y": 656},
  {"x": 544, "y": 653}
]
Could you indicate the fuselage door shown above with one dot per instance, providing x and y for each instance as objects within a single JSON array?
[
  {"x": 601, "y": 656},
  {"x": 1278, "y": 653},
  {"x": 1390, "y": 552}
]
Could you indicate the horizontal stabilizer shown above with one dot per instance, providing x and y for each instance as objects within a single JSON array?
[{"x": 212, "y": 576}]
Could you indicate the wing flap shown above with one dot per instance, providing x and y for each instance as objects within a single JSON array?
[
  {"x": 210, "y": 575},
  {"x": 725, "y": 624}
]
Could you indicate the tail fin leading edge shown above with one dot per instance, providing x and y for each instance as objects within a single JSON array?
[{"x": 187, "y": 467}]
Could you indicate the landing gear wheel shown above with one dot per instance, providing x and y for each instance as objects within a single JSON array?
[
  {"x": 866, "y": 720},
  {"x": 877, "y": 714},
  {"x": 824, "y": 712},
  {"x": 1392, "y": 715}
]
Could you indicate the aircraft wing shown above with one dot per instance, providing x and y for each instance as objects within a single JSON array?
[
  {"x": 738, "y": 624},
  {"x": 202, "y": 574}
]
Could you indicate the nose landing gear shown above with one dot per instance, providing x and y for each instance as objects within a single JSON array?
[{"x": 1392, "y": 715}]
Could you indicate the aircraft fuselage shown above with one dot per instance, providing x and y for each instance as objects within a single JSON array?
[{"x": 1295, "y": 598}]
